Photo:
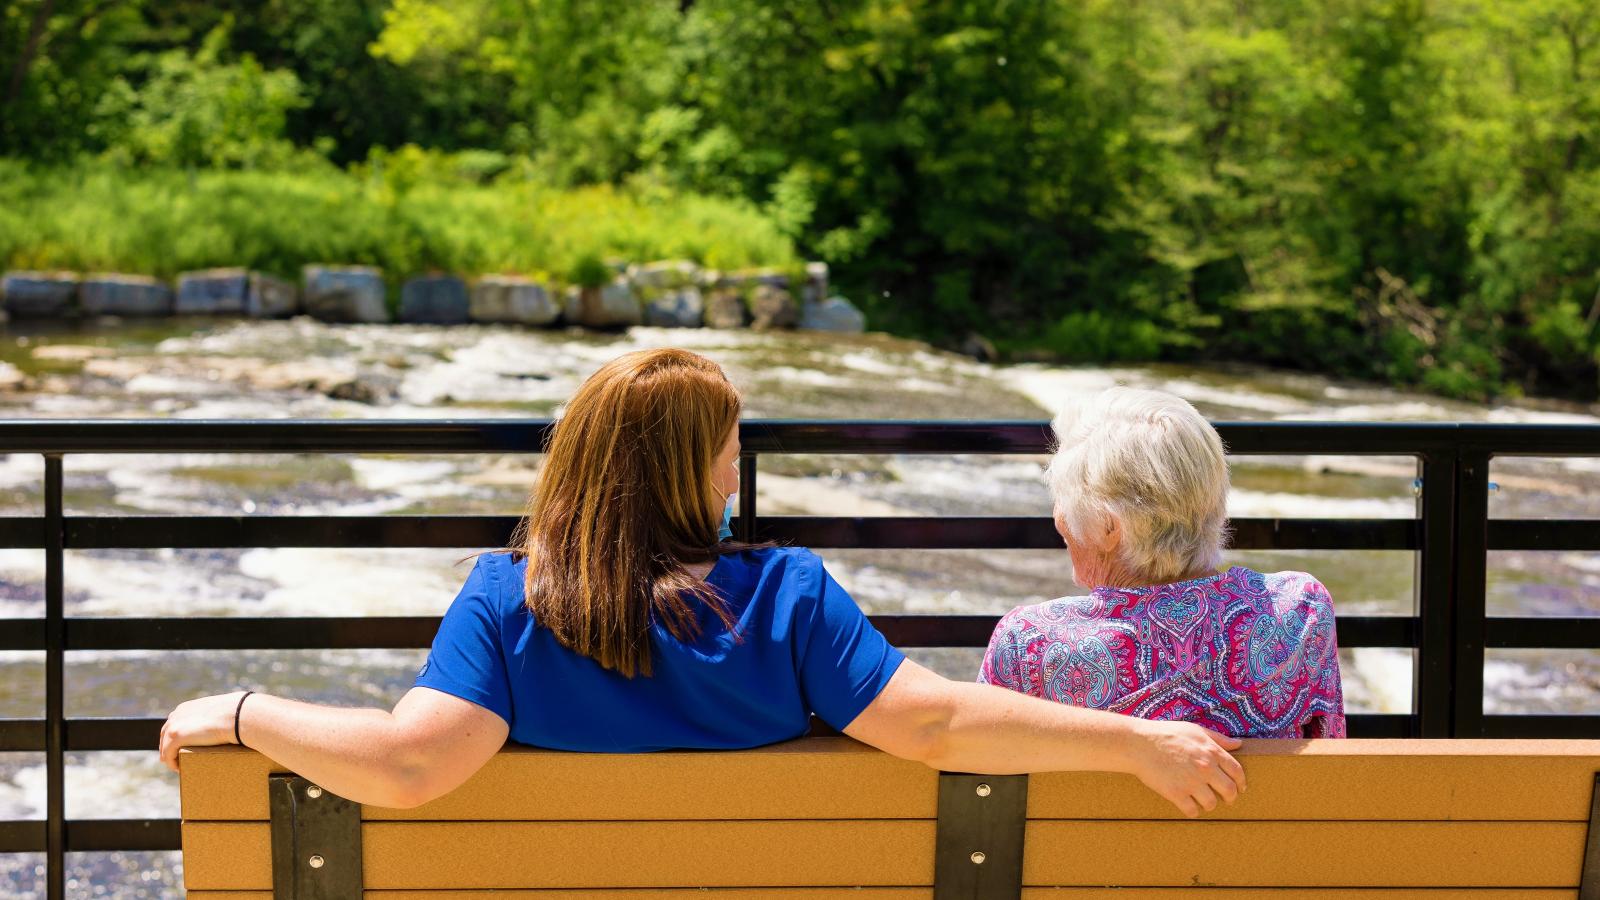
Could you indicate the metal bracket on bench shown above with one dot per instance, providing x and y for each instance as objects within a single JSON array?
[
  {"x": 1589, "y": 882},
  {"x": 978, "y": 850},
  {"x": 316, "y": 842}
]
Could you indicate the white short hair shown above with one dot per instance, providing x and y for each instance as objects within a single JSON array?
[{"x": 1152, "y": 461}]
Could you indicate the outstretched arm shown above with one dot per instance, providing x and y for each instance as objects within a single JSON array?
[
  {"x": 961, "y": 727},
  {"x": 425, "y": 748}
]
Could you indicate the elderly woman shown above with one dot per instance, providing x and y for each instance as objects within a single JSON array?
[
  {"x": 622, "y": 623},
  {"x": 1140, "y": 488}
]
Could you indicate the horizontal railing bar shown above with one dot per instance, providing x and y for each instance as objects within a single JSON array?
[
  {"x": 94, "y": 835},
  {"x": 1542, "y": 726},
  {"x": 1038, "y": 533},
  {"x": 763, "y": 436},
  {"x": 22, "y": 735},
  {"x": 22, "y": 634},
  {"x": 144, "y": 733},
  {"x": 114, "y": 733},
  {"x": 1533, "y": 632},
  {"x": 821, "y": 532},
  {"x": 272, "y": 436},
  {"x": 1506, "y": 439},
  {"x": 100, "y": 835},
  {"x": 1544, "y": 534},
  {"x": 22, "y": 836},
  {"x": 148, "y": 532},
  {"x": 25, "y": 532},
  {"x": 277, "y": 633},
  {"x": 416, "y": 632},
  {"x": 1381, "y": 725}
]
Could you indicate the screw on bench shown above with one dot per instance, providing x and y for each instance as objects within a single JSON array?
[
  {"x": 313, "y": 792},
  {"x": 316, "y": 862},
  {"x": 984, "y": 790},
  {"x": 978, "y": 857}
]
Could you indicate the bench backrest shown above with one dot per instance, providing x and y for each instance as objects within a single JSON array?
[{"x": 827, "y": 817}]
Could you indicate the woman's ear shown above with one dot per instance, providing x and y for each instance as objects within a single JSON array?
[{"x": 1111, "y": 536}]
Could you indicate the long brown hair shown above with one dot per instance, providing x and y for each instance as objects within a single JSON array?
[{"x": 624, "y": 501}]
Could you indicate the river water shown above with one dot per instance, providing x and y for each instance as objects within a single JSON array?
[{"x": 302, "y": 369}]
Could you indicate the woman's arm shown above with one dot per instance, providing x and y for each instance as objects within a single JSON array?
[
  {"x": 425, "y": 748},
  {"x": 959, "y": 727}
]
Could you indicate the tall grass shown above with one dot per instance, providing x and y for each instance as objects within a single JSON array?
[{"x": 100, "y": 217}]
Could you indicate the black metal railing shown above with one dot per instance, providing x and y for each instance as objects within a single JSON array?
[{"x": 1450, "y": 537}]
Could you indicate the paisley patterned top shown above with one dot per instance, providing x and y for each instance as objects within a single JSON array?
[{"x": 1246, "y": 654}]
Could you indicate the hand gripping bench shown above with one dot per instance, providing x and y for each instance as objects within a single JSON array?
[{"x": 825, "y": 817}]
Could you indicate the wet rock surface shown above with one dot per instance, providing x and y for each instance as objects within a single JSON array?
[
  {"x": 345, "y": 294},
  {"x": 725, "y": 308},
  {"x": 772, "y": 307},
  {"x": 39, "y": 294},
  {"x": 434, "y": 300},
  {"x": 833, "y": 314},
  {"x": 676, "y": 308},
  {"x": 124, "y": 295},
  {"x": 510, "y": 299}
]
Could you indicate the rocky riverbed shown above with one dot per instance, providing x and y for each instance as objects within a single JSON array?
[{"x": 210, "y": 369}]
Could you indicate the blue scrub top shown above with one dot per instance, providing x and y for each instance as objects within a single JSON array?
[{"x": 803, "y": 646}]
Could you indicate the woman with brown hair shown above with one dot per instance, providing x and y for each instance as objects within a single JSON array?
[{"x": 623, "y": 622}]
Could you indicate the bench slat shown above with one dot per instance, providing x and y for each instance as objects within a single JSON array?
[
  {"x": 486, "y": 855},
  {"x": 426, "y": 855},
  {"x": 836, "y": 778},
  {"x": 1310, "y": 854},
  {"x": 650, "y": 894},
  {"x": 814, "y": 778},
  {"x": 927, "y": 894},
  {"x": 1367, "y": 788},
  {"x": 1259, "y": 893}
]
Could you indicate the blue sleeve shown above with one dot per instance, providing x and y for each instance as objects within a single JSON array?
[
  {"x": 466, "y": 659},
  {"x": 845, "y": 662}
]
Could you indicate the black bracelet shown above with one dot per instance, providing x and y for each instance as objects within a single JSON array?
[{"x": 236, "y": 710}]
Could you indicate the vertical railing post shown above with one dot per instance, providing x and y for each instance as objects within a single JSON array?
[
  {"x": 1471, "y": 607},
  {"x": 747, "y": 498},
  {"x": 1433, "y": 669},
  {"x": 54, "y": 683}
]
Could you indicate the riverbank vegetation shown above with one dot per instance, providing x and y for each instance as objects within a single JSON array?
[
  {"x": 1406, "y": 190},
  {"x": 409, "y": 212}
]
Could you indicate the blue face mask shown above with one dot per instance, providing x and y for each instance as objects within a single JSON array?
[{"x": 726, "y": 531}]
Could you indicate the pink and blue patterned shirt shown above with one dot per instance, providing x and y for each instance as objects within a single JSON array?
[{"x": 1242, "y": 653}]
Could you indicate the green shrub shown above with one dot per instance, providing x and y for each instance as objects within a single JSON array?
[{"x": 409, "y": 213}]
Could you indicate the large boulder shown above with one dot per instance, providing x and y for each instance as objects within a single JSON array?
[
  {"x": 39, "y": 294},
  {"x": 270, "y": 298},
  {"x": 345, "y": 294},
  {"x": 815, "y": 289},
  {"x": 434, "y": 300},
  {"x": 979, "y": 348},
  {"x": 725, "y": 308},
  {"x": 610, "y": 306},
  {"x": 676, "y": 308},
  {"x": 511, "y": 299},
  {"x": 753, "y": 278},
  {"x": 664, "y": 275},
  {"x": 212, "y": 291},
  {"x": 111, "y": 294},
  {"x": 773, "y": 307},
  {"x": 234, "y": 292},
  {"x": 833, "y": 314}
]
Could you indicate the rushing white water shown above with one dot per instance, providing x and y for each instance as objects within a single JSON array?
[{"x": 305, "y": 369}]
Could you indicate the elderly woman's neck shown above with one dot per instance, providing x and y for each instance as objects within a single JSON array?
[{"x": 1121, "y": 578}]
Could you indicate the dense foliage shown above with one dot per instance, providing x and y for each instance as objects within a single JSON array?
[{"x": 1400, "y": 189}]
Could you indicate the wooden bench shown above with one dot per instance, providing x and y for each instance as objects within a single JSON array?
[{"x": 829, "y": 818}]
